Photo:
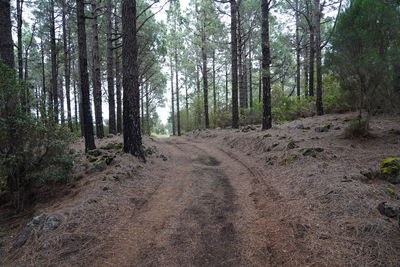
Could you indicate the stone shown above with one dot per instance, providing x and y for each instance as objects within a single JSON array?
[
  {"x": 323, "y": 128},
  {"x": 390, "y": 170},
  {"x": 98, "y": 167},
  {"x": 27, "y": 231},
  {"x": 248, "y": 128},
  {"x": 388, "y": 210},
  {"x": 51, "y": 223},
  {"x": 94, "y": 153},
  {"x": 292, "y": 145},
  {"x": 311, "y": 151},
  {"x": 300, "y": 127}
]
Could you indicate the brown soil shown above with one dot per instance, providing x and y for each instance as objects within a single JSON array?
[{"x": 225, "y": 198}]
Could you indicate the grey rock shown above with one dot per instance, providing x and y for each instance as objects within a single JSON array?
[
  {"x": 300, "y": 127},
  {"x": 323, "y": 128},
  {"x": 388, "y": 210},
  {"x": 26, "y": 233},
  {"x": 99, "y": 167},
  {"x": 248, "y": 128},
  {"x": 292, "y": 145},
  {"x": 52, "y": 222}
]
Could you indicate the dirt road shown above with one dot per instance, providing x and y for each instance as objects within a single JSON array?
[{"x": 204, "y": 214}]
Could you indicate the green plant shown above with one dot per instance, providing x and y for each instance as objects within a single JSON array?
[{"x": 356, "y": 128}]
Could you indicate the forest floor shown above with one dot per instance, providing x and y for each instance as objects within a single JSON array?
[{"x": 222, "y": 197}]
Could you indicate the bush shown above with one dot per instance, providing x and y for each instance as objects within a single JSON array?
[
  {"x": 31, "y": 149},
  {"x": 357, "y": 128}
]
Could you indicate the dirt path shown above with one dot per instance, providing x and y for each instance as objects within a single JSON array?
[{"x": 204, "y": 214}]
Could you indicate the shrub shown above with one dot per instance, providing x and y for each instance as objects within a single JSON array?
[
  {"x": 356, "y": 128},
  {"x": 31, "y": 149}
]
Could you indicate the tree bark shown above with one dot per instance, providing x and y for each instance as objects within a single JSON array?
[
  {"x": 205, "y": 77},
  {"x": 67, "y": 64},
  {"x": 178, "y": 113},
  {"x": 54, "y": 72},
  {"x": 234, "y": 54},
  {"x": 110, "y": 70},
  {"x": 131, "y": 113},
  {"x": 172, "y": 98},
  {"x": 6, "y": 42},
  {"x": 118, "y": 80},
  {"x": 84, "y": 77},
  {"x": 311, "y": 63},
  {"x": 317, "y": 21},
  {"x": 214, "y": 87},
  {"x": 20, "y": 4},
  {"x": 96, "y": 75},
  {"x": 266, "y": 61},
  {"x": 298, "y": 50},
  {"x": 251, "y": 73}
]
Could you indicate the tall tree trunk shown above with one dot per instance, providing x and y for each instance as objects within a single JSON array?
[
  {"x": 317, "y": 21},
  {"x": 142, "y": 108},
  {"x": 96, "y": 74},
  {"x": 298, "y": 50},
  {"x": 205, "y": 77},
  {"x": 43, "y": 99},
  {"x": 148, "y": 126},
  {"x": 67, "y": 64},
  {"x": 110, "y": 70},
  {"x": 214, "y": 87},
  {"x": 198, "y": 108},
  {"x": 187, "y": 104},
  {"x": 311, "y": 62},
  {"x": 61, "y": 97},
  {"x": 6, "y": 42},
  {"x": 251, "y": 72},
  {"x": 226, "y": 87},
  {"x": 132, "y": 135},
  {"x": 305, "y": 68},
  {"x": 178, "y": 113},
  {"x": 172, "y": 98},
  {"x": 266, "y": 61},
  {"x": 118, "y": 79},
  {"x": 20, "y": 4},
  {"x": 84, "y": 77},
  {"x": 234, "y": 54},
  {"x": 242, "y": 92},
  {"x": 54, "y": 72}
]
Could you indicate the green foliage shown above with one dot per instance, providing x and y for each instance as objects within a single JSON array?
[{"x": 30, "y": 148}]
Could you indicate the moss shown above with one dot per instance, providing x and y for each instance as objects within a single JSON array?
[
  {"x": 325, "y": 164},
  {"x": 390, "y": 166},
  {"x": 118, "y": 146},
  {"x": 390, "y": 191},
  {"x": 275, "y": 144},
  {"x": 94, "y": 152},
  {"x": 290, "y": 159},
  {"x": 267, "y": 135}
]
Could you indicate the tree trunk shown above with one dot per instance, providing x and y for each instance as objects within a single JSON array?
[
  {"x": 84, "y": 77},
  {"x": 148, "y": 127},
  {"x": 317, "y": 21},
  {"x": 298, "y": 50},
  {"x": 234, "y": 52},
  {"x": 205, "y": 77},
  {"x": 226, "y": 87},
  {"x": 44, "y": 94},
  {"x": 54, "y": 72},
  {"x": 67, "y": 65},
  {"x": 242, "y": 91},
  {"x": 178, "y": 113},
  {"x": 110, "y": 70},
  {"x": 20, "y": 4},
  {"x": 131, "y": 113},
  {"x": 61, "y": 98},
  {"x": 251, "y": 73},
  {"x": 214, "y": 87},
  {"x": 311, "y": 63},
  {"x": 6, "y": 42},
  {"x": 96, "y": 75},
  {"x": 266, "y": 61},
  {"x": 172, "y": 98},
  {"x": 118, "y": 79},
  {"x": 198, "y": 104}
]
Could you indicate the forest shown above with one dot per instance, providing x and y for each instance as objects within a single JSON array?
[{"x": 207, "y": 100}]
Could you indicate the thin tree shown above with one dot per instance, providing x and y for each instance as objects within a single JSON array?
[
  {"x": 67, "y": 65},
  {"x": 110, "y": 70},
  {"x": 317, "y": 21},
  {"x": 96, "y": 74},
  {"x": 54, "y": 70},
  {"x": 266, "y": 61},
  {"x": 84, "y": 78},
  {"x": 6, "y": 42},
  {"x": 130, "y": 82}
]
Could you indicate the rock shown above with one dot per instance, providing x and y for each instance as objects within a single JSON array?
[
  {"x": 390, "y": 170},
  {"x": 91, "y": 201},
  {"x": 290, "y": 159},
  {"x": 388, "y": 210},
  {"x": 52, "y": 222},
  {"x": 311, "y": 151},
  {"x": 337, "y": 128},
  {"x": 98, "y": 167},
  {"x": 248, "y": 128},
  {"x": 26, "y": 233},
  {"x": 112, "y": 146},
  {"x": 292, "y": 145},
  {"x": 300, "y": 127},
  {"x": 323, "y": 128},
  {"x": 94, "y": 153},
  {"x": 163, "y": 157}
]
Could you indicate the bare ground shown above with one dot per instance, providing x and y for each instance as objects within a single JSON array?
[{"x": 225, "y": 198}]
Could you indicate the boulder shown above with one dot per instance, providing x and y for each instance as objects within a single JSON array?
[
  {"x": 323, "y": 128},
  {"x": 390, "y": 170},
  {"x": 292, "y": 145},
  {"x": 248, "y": 128},
  {"x": 311, "y": 151},
  {"x": 27, "y": 231},
  {"x": 51, "y": 223},
  {"x": 388, "y": 210},
  {"x": 98, "y": 167}
]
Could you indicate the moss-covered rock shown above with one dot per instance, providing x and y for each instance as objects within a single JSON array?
[
  {"x": 390, "y": 169},
  {"x": 292, "y": 145},
  {"x": 290, "y": 159},
  {"x": 323, "y": 128},
  {"x": 311, "y": 152},
  {"x": 94, "y": 153}
]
